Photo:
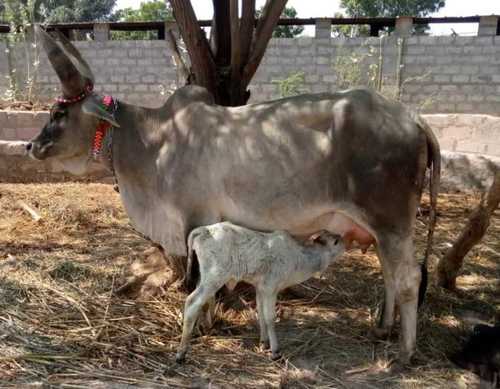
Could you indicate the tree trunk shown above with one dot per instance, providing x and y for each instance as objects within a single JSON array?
[
  {"x": 478, "y": 223},
  {"x": 202, "y": 61},
  {"x": 226, "y": 65}
]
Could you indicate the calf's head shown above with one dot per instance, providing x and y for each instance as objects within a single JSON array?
[
  {"x": 332, "y": 242},
  {"x": 68, "y": 135}
]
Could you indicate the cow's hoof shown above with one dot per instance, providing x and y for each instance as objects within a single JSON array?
[
  {"x": 381, "y": 333},
  {"x": 275, "y": 355},
  {"x": 405, "y": 359},
  {"x": 398, "y": 366},
  {"x": 180, "y": 357}
]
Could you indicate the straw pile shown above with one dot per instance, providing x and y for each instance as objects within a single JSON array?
[{"x": 62, "y": 325}]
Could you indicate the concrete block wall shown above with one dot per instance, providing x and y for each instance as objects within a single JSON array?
[
  {"x": 134, "y": 71},
  {"x": 437, "y": 74},
  {"x": 4, "y": 69},
  {"x": 21, "y": 125},
  {"x": 463, "y": 73},
  {"x": 465, "y": 133}
]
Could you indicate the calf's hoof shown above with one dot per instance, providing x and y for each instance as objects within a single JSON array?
[
  {"x": 264, "y": 344},
  {"x": 180, "y": 357}
]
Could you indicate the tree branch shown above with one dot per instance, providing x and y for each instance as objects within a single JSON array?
[
  {"x": 479, "y": 221},
  {"x": 246, "y": 28},
  {"x": 263, "y": 32},
  {"x": 176, "y": 54},
  {"x": 202, "y": 61},
  {"x": 235, "y": 39},
  {"x": 221, "y": 25}
]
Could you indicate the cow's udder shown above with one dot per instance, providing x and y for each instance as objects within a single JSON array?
[{"x": 350, "y": 231}]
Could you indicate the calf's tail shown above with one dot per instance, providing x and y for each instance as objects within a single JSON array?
[
  {"x": 434, "y": 165},
  {"x": 191, "y": 278}
]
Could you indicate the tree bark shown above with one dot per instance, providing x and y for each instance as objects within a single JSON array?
[
  {"x": 226, "y": 65},
  {"x": 246, "y": 29},
  {"x": 176, "y": 54},
  {"x": 479, "y": 221},
  {"x": 263, "y": 32},
  {"x": 202, "y": 60}
]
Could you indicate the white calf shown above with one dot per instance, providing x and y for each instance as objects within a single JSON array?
[{"x": 271, "y": 262}]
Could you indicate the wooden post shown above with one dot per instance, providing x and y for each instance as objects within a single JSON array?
[
  {"x": 101, "y": 32},
  {"x": 323, "y": 28},
  {"x": 488, "y": 25},
  {"x": 404, "y": 26}
]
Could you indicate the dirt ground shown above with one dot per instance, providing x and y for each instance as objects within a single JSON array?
[{"x": 61, "y": 324}]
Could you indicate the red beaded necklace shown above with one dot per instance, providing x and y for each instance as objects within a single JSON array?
[
  {"x": 101, "y": 129},
  {"x": 87, "y": 90}
]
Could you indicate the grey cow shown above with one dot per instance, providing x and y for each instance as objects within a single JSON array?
[
  {"x": 271, "y": 262},
  {"x": 350, "y": 162}
]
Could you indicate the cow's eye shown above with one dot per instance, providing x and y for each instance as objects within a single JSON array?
[{"x": 58, "y": 115}]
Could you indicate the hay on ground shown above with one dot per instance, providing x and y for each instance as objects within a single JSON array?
[{"x": 61, "y": 324}]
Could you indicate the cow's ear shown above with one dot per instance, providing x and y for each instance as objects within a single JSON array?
[
  {"x": 74, "y": 56},
  {"x": 73, "y": 72},
  {"x": 93, "y": 105}
]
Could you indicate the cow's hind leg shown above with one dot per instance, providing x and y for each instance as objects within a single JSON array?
[
  {"x": 387, "y": 312},
  {"x": 403, "y": 272}
]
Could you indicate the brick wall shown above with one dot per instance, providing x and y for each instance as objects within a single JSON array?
[{"x": 439, "y": 74}]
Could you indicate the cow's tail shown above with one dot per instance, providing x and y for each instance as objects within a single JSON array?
[{"x": 434, "y": 165}]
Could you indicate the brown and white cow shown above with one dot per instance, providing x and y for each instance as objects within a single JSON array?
[{"x": 351, "y": 162}]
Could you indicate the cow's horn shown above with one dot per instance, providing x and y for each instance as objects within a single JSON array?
[{"x": 70, "y": 67}]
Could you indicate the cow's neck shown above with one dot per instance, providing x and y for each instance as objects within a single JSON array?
[{"x": 136, "y": 149}]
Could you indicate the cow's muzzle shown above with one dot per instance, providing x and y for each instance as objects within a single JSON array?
[{"x": 39, "y": 150}]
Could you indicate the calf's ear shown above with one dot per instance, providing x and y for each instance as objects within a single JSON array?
[
  {"x": 93, "y": 105},
  {"x": 317, "y": 238}
]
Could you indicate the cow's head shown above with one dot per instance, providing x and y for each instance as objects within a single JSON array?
[{"x": 68, "y": 135}]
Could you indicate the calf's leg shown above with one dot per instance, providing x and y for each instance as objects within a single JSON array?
[
  {"x": 192, "y": 308},
  {"x": 269, "y": 309},
  {"x": 264, "y": 338}
]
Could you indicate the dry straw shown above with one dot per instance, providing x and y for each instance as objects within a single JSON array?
[{"x": 62, "y": 325}]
